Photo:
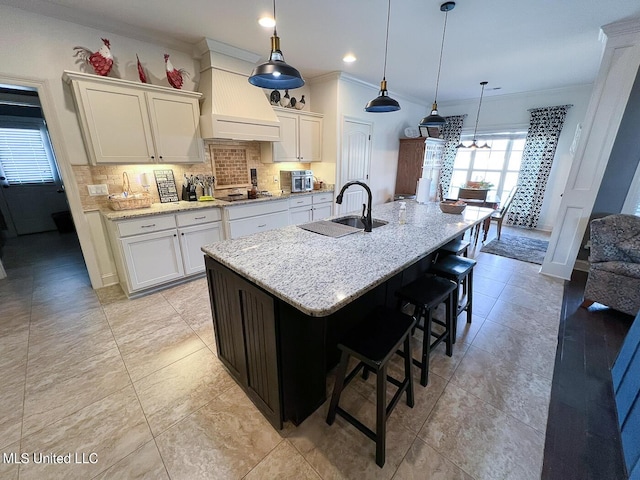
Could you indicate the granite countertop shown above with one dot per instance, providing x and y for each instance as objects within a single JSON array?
[
  {"x": 181, "y": 206},
  {"x": 319, "y": 275}
]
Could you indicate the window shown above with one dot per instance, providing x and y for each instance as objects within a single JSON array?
[
  {"x": 26, "y": 157},
  {"x": 498, "y": 165}
]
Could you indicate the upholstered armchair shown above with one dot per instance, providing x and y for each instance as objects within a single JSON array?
[{"x": 614, "y": 271}]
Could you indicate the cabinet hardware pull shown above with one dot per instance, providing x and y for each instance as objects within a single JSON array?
[
  {"x": 299, "y": 201},
  {"x": 182, "y": 233},
  {"x": 175, "y": 234},
  {"x": 152, "y": 157},
  {"x": 263, "y": 225},
  {"x": 160, "y": 157},
  {"x": 199, "y": 218},
  {"x": 148, "y": 226}
]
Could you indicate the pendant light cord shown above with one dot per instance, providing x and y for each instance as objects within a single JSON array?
[
  {"x": 386, "y": 43},
  {"x": 475, "y": 130},
  {"x": 444, "y": 30},
  {"x": 275, "y": 24}
]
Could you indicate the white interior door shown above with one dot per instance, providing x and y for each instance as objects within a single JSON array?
[
  {"x": 611, "y": 91},
  {"x": 355, "y": 162}
]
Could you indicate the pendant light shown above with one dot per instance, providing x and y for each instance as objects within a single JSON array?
[
  {"x": 383, "y": 102},
  {"x": 276, "y": 73},
  {"x": 474, "y": 145},
  {"x": 435, "y": 120}
]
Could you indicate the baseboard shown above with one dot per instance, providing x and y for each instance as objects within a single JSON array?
[
  {"x": 109, "y": 279},
  {"x": 581, "y": 265}
]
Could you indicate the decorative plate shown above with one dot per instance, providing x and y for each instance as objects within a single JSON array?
[{"x": 411, "y": 132}]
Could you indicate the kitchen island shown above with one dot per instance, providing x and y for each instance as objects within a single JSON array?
[{"x": 282, "y": 299}]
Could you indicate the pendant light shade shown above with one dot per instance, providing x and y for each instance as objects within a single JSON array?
[
  {"x": 435, "y": 120},
  {"x": 383, "y": 102},
  {"x": 474, "y": 144},
  {"x": 276, "y": 73}
]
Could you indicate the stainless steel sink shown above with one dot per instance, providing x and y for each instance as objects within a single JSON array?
[{"x": 356, "y": 221}]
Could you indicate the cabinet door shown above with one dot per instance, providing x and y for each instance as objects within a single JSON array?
[
  {"x": 191, "y": 239},
  {"x": 152, "y": 259},
  {"x": 261, "y": 223},
  {"x": 287, "y": 149},
  {"x": 310, "y": 139},
  {"x": 410, "y": 160},
  {"x": 300, "y": 215},
  {"x": 117, "y": 128},
  {"x": 175, "y": 121},
  {"x": 322, "y": 210}
]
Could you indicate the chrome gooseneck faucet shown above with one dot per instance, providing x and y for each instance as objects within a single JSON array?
[{"x": 366, "y": 219}]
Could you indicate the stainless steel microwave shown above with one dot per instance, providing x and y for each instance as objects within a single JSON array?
[{"x": 296, "y": 180}]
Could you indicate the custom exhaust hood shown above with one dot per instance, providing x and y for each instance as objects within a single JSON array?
[{"x": 232, "y": 108}]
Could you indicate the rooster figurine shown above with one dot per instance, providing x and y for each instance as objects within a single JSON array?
[
  {"x": 174, "y": 76},
  {"x": 101, "y": 61},
  {"x": 141, "y": 72}
]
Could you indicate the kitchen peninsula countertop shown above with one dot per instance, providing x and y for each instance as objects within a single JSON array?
[
  {"x": 318, "y": 274},
  {"x": 181, "y": 206}
]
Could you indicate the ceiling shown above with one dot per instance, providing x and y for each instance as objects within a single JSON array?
[{"x": 516, "y": 46}]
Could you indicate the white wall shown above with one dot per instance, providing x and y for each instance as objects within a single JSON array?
[
  {"x": 510, "y": 112},
  {"x": 338, "y": 96},
  {"x": 36, "y": 49}
]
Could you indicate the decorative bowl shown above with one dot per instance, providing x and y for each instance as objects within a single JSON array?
[{"x": 452, "y": 207}]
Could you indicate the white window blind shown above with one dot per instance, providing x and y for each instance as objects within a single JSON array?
[
  {"x": 25, "y": 156},
  {"x": 632, "y": 202}
]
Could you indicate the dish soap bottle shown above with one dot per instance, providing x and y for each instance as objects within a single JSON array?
[{"x": 402, "y": 216}]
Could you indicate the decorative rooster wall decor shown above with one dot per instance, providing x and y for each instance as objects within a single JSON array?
[
  {"x": 174, "y": 76},
  {"x": 101, "y": 61},
  {"x": 141, "y": 72}
]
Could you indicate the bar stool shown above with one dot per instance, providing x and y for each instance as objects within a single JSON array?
[
  {"x": 425, "y": 294},
  {"x": 459, "y": 270},
  {"x": 455, "y": 247},
  {"x": 374, "y": 343}
]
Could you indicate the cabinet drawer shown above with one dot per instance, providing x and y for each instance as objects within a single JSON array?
[
  {"x": 299, "y": 201},
  {"x": 259, "y": 208},
  {"x": 152, "y": 223},
  {"x": 247, "y": 226},
  {"x": 198, "y": 216},
  {"x": 322, "y": 197}
]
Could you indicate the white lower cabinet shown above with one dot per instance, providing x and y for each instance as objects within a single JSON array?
[
  {"x": 322, "y": 211},
  {"x": 160, "y": 249},
  {"x": 152, "y": 259},
  {"x": 250, "y": 218},
  {"x": 322, "y": 205},
  {"x": 191, "y": 239}
]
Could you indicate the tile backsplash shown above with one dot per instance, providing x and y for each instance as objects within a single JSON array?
[{"x": 228, "y": 160}]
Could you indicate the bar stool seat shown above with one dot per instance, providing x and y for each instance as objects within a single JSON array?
[
  {"x": 459, "y": 270},
  {"x": 374, "y": 343},
  {"x": 455, "y": 247},
  {"x": 425, "y": 294}
]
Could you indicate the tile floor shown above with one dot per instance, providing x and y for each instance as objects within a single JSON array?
[{"x": 138, "y": 384}]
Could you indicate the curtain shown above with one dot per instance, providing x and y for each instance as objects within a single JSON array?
[
  {"x": 451, "y": 134},
  {"x": 539, "y": 149}
]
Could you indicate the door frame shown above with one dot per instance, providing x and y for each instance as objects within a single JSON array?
[{"x": 61, "y": 156}]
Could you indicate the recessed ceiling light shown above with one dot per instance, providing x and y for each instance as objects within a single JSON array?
[
  {"x": 349, "y": 58},
  {"x": 267, "y": 22}
]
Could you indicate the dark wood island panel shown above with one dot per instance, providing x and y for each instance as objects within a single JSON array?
[{"x": 275, "y": 352}]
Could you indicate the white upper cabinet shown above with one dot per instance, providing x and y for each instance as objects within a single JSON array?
[
  {"x": 130, "y": 122},
  {"x": 301, "y": 134}
]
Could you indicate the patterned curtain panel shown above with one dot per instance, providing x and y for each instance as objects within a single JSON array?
[
  {"x": 451, "y": 133},
  {"x": 539, "y": 149}
]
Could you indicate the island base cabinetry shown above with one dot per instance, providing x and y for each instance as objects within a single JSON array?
[
  {"x": 245, "y": 329},
  {"x": 279, "y": 355}
]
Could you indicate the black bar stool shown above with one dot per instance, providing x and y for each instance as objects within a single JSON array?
[
  {"x": 374, "y": 343},
  {"x": 425, "y": 294},
  {"x": 459, "y": 270},
  {"x": 455, "y": 247}
]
